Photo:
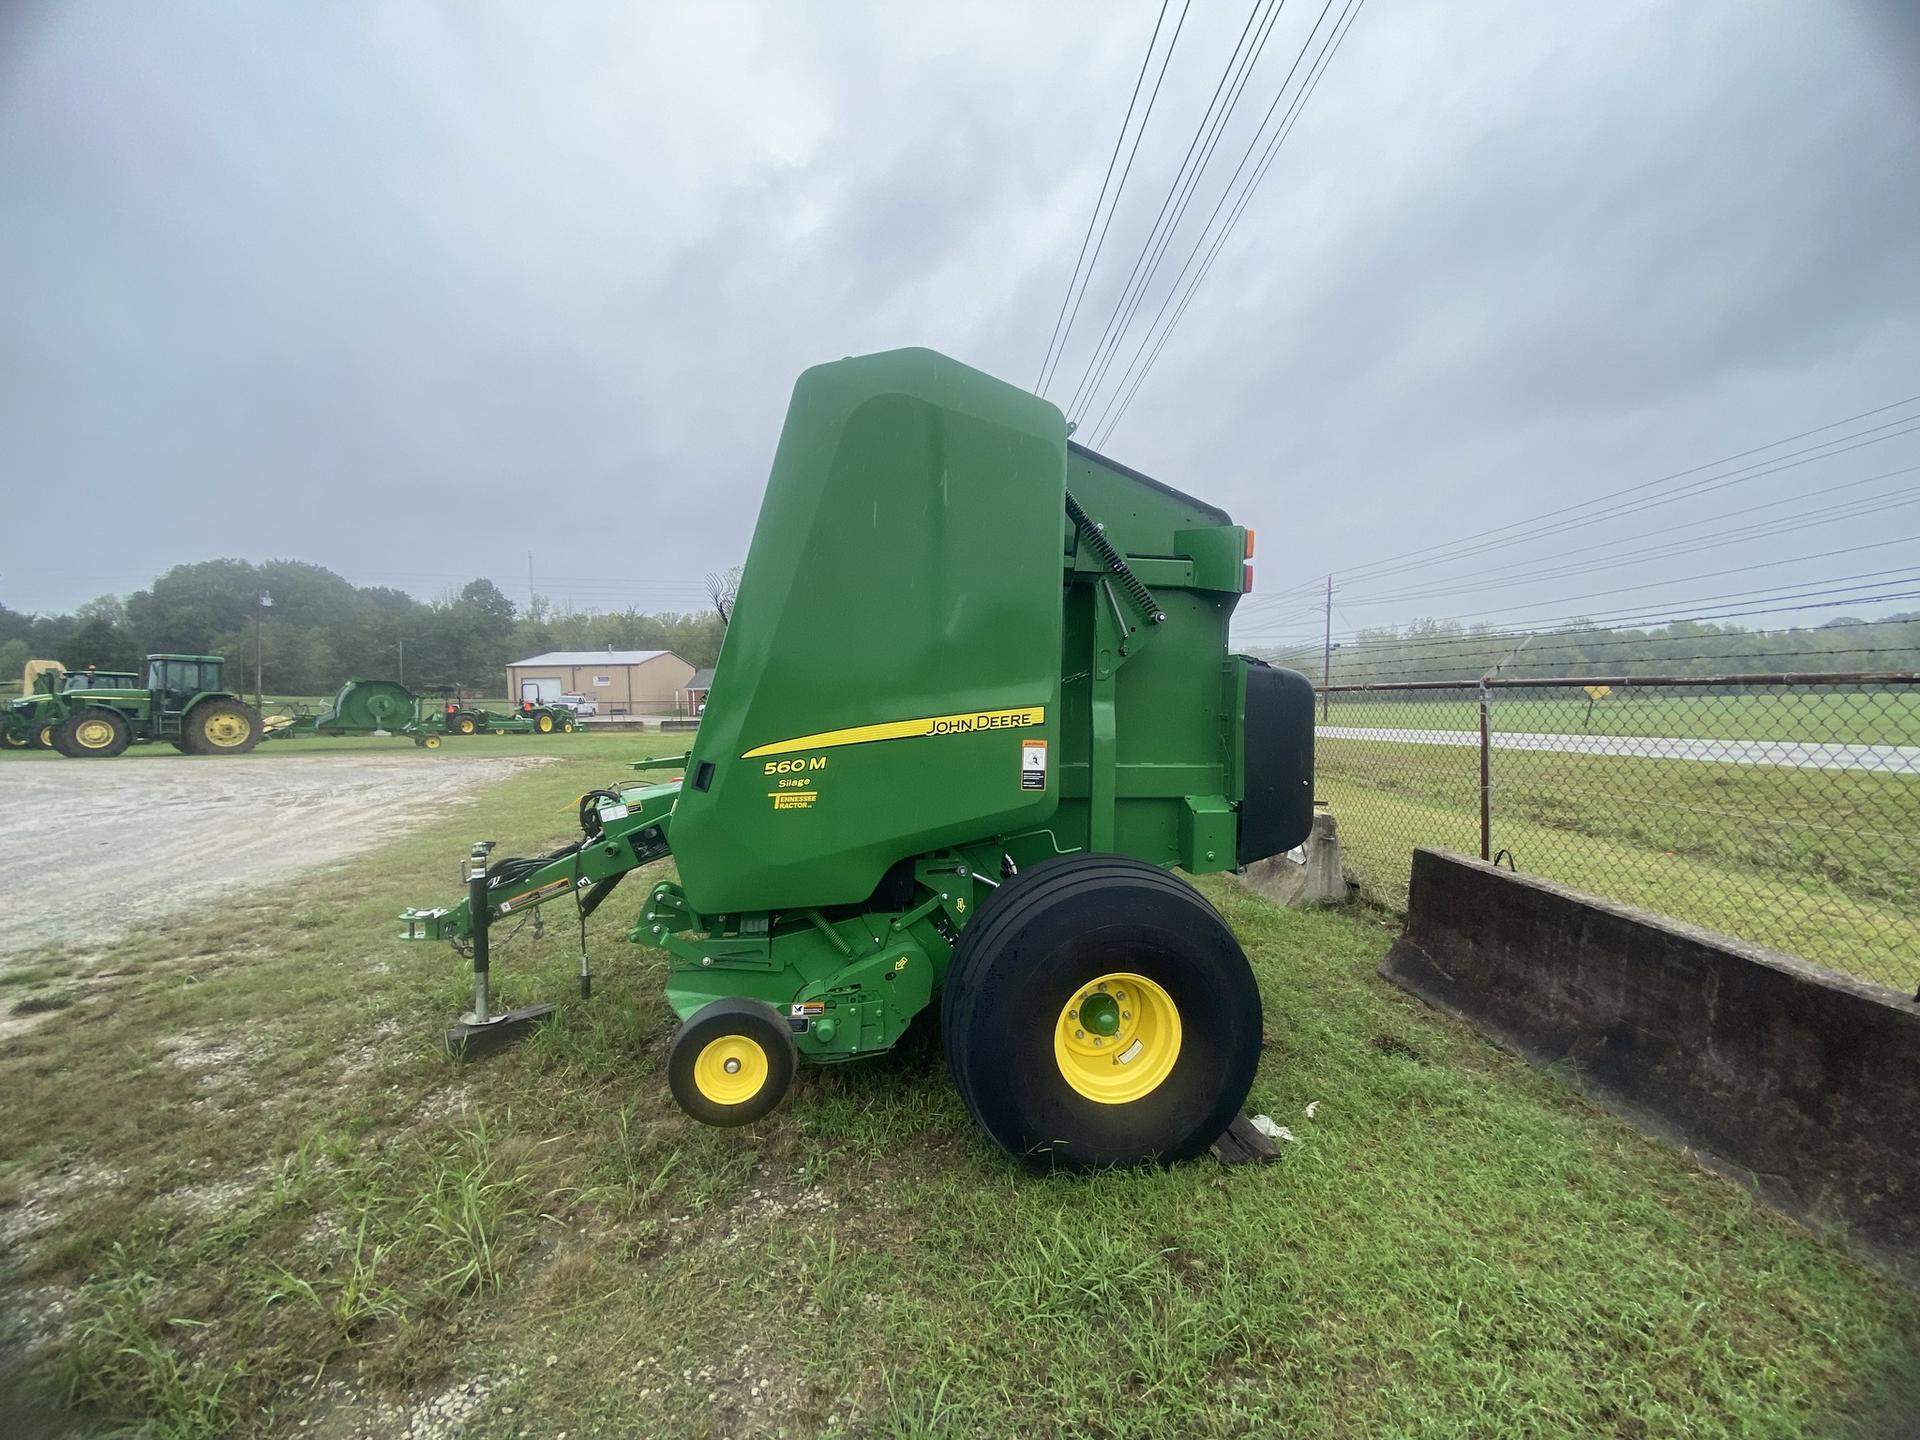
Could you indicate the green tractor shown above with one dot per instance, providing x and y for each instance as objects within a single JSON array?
[
  {"x": 460, "y": 717},
  {"x": 94, "y": 714},
  {"x": 974, "y": 707}
]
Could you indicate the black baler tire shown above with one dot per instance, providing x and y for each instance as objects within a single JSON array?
[
  {"x": 734, "y": 1016},
  {"x": 64, "y": 742},
  {"x": 1055, "y": 927},
  {"x": 193, "y": 728}
]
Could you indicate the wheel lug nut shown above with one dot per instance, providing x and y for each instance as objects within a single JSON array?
[
  {"x": 1079, "y": 1034},
  {"x": 1126, "y": 1014}
]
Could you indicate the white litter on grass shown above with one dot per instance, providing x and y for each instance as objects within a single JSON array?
[
  {"x": 1264, "y": 1124},
  {"x": 1312, "y": 1106}
]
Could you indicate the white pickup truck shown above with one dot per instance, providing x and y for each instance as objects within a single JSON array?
[{"x": 580, "y": 704}]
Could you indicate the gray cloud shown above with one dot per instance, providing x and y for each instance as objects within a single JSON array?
[{"x": 410, "y": 292}]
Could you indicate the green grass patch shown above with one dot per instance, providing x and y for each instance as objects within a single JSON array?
[
  {"x": 1813, "y": 714},
  {"x": 250, "y": 1173},
  {"x": 1814, "y": 862}
]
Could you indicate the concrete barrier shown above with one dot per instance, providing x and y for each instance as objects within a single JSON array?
[
  {"x": 1799, "y": 1082},
  {"x": 1315, "y": 878}
]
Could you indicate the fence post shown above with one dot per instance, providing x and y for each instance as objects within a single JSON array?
[{"x": 1486, "y": 780}]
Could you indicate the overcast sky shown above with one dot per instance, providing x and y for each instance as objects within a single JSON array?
[{"x": 411, "y": 290}]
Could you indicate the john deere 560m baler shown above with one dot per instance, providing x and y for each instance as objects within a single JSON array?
[{"x": 974, "y": 706}]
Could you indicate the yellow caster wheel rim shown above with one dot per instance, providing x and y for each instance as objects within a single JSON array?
[
  {"x": 730, "y": 1070},
  {"x": 1117, "y": 1038}
]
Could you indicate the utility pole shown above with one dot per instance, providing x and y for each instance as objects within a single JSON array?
[
  {"x": 403, "y": 660},
  {"x": 260, "y": 602},
  {"x": 531, "y": 602},
  {"x": 1326, "y": 656}
]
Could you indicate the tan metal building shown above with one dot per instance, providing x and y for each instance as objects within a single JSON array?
[{"x": 620, "y": 682}]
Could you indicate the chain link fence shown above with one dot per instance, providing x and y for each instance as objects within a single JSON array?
[{"x": 1784, "y": 810}]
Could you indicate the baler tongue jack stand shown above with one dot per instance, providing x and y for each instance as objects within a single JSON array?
[
  {"x": 974, "y": 707},
  {"x": 480, "y": 1031}
]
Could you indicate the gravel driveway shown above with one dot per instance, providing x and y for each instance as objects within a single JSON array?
[{"x": 89, "y": 849}]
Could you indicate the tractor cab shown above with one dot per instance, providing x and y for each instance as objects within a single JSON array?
[{"x": 175, "y": 680}]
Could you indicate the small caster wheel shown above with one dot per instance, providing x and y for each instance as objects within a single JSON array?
[{"x": 732, "y": 1062}]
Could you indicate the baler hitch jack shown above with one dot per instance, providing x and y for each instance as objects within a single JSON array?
[{"x": 480, "y": 1031}]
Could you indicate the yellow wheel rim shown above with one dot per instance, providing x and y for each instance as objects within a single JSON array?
[
  {"x": 465, "y": 727},
  {"x": 46, "y": 737},
  {"x": 226, "y": 729},
  {"x": 93, "y": 734},
  {"x": 730, "y": 1070},
  {"x": 1117, "y": 1038},
  {"x": 433, "y": 742},
  {"x": 546, "y": 723}
]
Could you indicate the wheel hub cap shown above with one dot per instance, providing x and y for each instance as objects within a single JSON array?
[
  {"x": 1117, "y": 1038},
  {"x": 94, "y": 734}
]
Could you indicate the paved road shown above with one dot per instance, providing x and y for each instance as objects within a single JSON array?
[
  {"x": 1791, "y": 754},
  {"x": 91, "y": 848}
]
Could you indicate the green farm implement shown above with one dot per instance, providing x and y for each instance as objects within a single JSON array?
[
  {"x": 97, "y": 714},
  {"x": 974, "y": 707},
  {"x": 386, "y": 707},
  {"x": 364, "y": 707}
]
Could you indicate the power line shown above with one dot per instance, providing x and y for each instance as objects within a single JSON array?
[
  {"x": 1680, "y": 548},
  {"x": 1694, "y": 490},
  {"x": 1795, "y": 521},
  {"x": 1207, "y": 134},
  {"x": 1364, "y": 571},
  {"x": 1665, "y": 616},
  {"x": 1325, "y": 59},
  {"x": 1046, "y": 369},
  {"x": 1226, "y": 193}
]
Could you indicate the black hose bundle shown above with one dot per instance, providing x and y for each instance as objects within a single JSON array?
[{"x": 515, "y": 867}]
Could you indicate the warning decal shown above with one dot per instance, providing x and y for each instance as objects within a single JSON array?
[{"x": 1033, "y": 764}]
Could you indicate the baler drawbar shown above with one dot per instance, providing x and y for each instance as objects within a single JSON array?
[{"x": 974, "y": 705}]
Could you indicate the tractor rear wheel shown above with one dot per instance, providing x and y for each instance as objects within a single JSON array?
[
  {"x": 1099, "y": 1012},
  {"x": 543, "y": 722},
  {"x": 464, "y": 724},
  {"x": 221, "y": 727},
  {"x": 93, "y": 734},
  {"x": 732, "y": 1062}
]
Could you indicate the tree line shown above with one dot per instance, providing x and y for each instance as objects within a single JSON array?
[
  {"x": 317, "y": 629},
  {"x": 1448, "y": 650}
]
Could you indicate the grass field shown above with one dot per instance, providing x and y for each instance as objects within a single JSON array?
[
  {"x": 1818, "y": 863},
  {"x": 1882, "y": 717},
  {"x": 243, "y": 1190}
]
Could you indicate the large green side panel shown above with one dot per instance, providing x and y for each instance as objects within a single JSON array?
[
  {"x": 895, "y": 650},
  {"x": 1178, "y": 717}
]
